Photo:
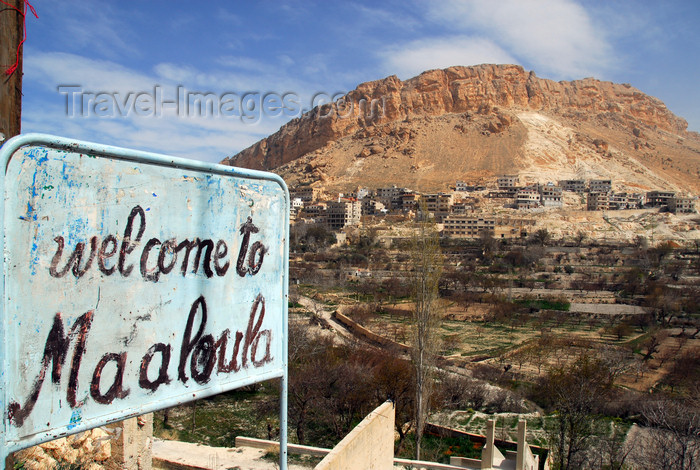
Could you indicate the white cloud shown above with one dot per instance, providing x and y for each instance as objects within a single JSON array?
[
  {"x": 555, "y": 37},
  {"x": 57, "y": 68},
  {"x": 205, "y": 138},
  {"x": 378, "y": 17},
  {"x": 246, "y": 63},
  {"x": 415, "y": 57},
  {"x": 93, "y": 26}
]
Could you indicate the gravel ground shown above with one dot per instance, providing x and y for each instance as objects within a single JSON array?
[{"x": 214, "y": 458}]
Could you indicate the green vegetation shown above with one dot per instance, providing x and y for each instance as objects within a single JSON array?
[
  {"x": 545, "y": 304},
  {"x": 439, "y": 449},
  {"x": 219, "y": 419}
]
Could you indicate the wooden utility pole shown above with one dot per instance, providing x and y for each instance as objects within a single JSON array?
[{"x": 11, "y": 34}]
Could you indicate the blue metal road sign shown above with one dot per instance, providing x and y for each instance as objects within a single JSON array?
[{"x": 134, "y": 282}]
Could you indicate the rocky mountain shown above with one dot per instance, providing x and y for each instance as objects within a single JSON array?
[{"x": 473, "y": 123}]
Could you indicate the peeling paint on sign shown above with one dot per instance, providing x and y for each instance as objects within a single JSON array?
[{"x": 134, "y": 284}]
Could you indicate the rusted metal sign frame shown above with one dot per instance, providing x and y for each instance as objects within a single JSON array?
[{"x": 13, "y": 147}]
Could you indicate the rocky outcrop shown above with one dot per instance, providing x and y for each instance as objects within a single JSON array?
[
  {"x": 480, "y": 89},
  {"x": 88, "y": 450}
]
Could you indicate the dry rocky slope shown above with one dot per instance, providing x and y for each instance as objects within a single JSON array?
[{"x": 473, "y": 123}]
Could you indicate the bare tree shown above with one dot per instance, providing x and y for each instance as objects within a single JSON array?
[
  {"x": 427, "y": 270},
  {"x": 673, "y": 438},
  {"x": 574, "y": 390},
  {"x": 653, "y": 343},
  {"x": 612, "y": 451}
]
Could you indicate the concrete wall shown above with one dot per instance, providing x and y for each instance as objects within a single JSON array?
[
  {"x": 132, "y": 450},
  {"x": 370, "y": 446}
]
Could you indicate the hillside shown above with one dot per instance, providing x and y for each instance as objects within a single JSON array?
[{"x": 473, "y": 123}]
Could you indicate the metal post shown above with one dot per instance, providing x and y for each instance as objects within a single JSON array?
[
  {"x": 285, "y": 342},
  {"x": 283, "y": 423}
]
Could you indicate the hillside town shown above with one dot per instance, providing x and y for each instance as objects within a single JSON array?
[{"x": 459, "y": 213}]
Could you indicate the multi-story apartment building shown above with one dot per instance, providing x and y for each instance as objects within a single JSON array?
[
  {"x": 409, "y": 201},
  {"x": 372, "y": 207},
  {"x": 438, "y": 204},
  {"x": 306, "y": 193},
  {"x": 551, "y": 196},
  {"x": 507, "y": 181},
  {"x": 527, "y": 198},
  {"x": 342, "y": 213},
  {"x": 360, "y": 193},
  {"x": 462, "y": 226},
  {"x": 295, "y": 206},
  {"x": 462, "y": 186},
  {"x": 598, "y": 201},
  {"x": 576, "y": 186},
  {"x": 314, "y": 210},
  {"x": 600, "y": 186},
  {"x": 461, "y": 208},
  {"x": 659, "y": 198},
  {"x": 389, "y": 192},
  {"x": 391, "y": 196},
  {"x": 636, "y": 200},
  {"x": 681, "y": 205}
]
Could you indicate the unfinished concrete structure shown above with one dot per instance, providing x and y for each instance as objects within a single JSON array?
[
  {"x": 681, "y": 205},
  {"x": 492, "y": 458},
  {"x": 369, "y": 446},
  {"x": 507, "y": 181}
]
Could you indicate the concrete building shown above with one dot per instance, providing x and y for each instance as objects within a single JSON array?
[
  {"x": 576, "y": 186},
  {"x": 409, "y": 201},
  {"x": 342, "y": 213},
  {"x": 461, "y": 186},
  {"x": 390, "y": 192},
  {"x": 600, "y": 186},
  {"x": 370, "y": 445},
  {"x": 528, "y": 198},
  {"x": 503, "y": 194},
  {"x": 659, "y": 198},
  {"x": 372, "y": 207},
  {"x": 613, "y": 201},
  {"x": 464, "y": 187},
  {"x": 360, "y": 193},
  {"x": 492, "y": 458},
  {"x": 507, "y": 181},
  {"x": 627, "y": 201},
  {"x": 391, "y": 196},
  {"x": 306, "y": 193},
  {"x": 314, "y": 210},
  {"x": 598, "y": 201},
  {"x": 618, "y": 201},
  {"x": 551, "y": 196},
  {"x": 681, "y": 205},
  {"x": 461, "y": 208},
  {"x": 438, "y": 204},
  {"x": 462, "y": 226},
  {"x": 295, "y": 207}
]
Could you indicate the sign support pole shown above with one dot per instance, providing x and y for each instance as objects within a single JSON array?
[{"x": 283, "y": 424}]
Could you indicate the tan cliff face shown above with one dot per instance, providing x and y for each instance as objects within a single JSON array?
[{"x": 472, "y": 122}]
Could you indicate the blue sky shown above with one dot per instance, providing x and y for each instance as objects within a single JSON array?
[{"x": 112, "y": 60}]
